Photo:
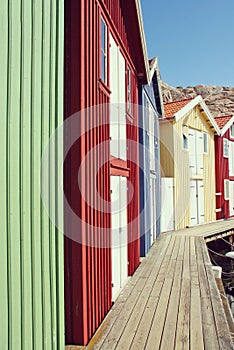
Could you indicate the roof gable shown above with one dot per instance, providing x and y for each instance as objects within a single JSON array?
[
  {"x": 224, "y": 123},
  {"x": 182, "y": 107}
]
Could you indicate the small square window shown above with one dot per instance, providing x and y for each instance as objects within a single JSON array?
[
  {"x": 205, "y": 142},
  {"x": 225, "y": 148},
  {"x": 226, "y": 189},
  {"x": 185, "y": 142}
]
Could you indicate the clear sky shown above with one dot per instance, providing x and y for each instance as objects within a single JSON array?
[{"x": 194, "y": 40}]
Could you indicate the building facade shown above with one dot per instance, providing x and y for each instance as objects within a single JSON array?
[
  {"x": 224, "y": 165},
  {"x": 105, "y": 61},
  {"x": 188, "y": 164},
  {"x": 150, "y": 100}
]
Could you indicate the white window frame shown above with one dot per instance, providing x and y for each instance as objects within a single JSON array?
[
  {"x": 226, "y": 190},
  {"x": 232, "y": 131},
  {"x": 104, "y": 51},
  {"x": 225, "y": 141}
]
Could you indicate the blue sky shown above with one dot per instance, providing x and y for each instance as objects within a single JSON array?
[{"x": 193, "y": 39}]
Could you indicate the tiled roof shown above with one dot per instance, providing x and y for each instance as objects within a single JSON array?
[
  {"x": 173, "y": 107},
  {"x": 223, "y": 120}
]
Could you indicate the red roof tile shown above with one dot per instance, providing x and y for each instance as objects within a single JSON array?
[
  {"x": 171, "y": 108},
  {"x": 223, "y": 120}
]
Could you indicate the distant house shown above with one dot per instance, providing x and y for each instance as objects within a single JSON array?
[
  {"x": 187, "y": 164},
  {"x": 150, "y": 98},
  {"x": 224, "y": 164}
]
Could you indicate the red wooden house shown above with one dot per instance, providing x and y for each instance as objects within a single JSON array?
[
  {"x": 105, "y": 60},
  {"x": 224, "y": 164}
]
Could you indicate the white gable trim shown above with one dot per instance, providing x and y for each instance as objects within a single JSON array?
[
  {"x": 143, "y": 41},
  {"x": 193, "y": 103},
  {"x": 227, "y": 126}
]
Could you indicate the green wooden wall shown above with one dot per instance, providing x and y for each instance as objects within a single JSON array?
[{"x": 31, "y": 106}]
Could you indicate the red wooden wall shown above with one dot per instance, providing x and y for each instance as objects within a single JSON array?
[
  {"x": 221, "y": 170},
  {"x": 87, "y": 266}
]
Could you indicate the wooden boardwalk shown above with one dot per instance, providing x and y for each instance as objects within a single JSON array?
[{"x": 172, "y": 301}]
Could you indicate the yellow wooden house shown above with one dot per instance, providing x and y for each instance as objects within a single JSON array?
[{"x": 187, "y": 164}]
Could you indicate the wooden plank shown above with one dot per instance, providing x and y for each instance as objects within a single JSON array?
[
  {"x": 224, "y": 337},
  {"x": 35, "y": 173},
  {"x": 120, "y": 324},
  {"x": 117, "y": 308},
  {"x": 169, "y": 332},
  {"x": 4, "y": 319},
  {"x": 59, "y": 180},
  {"x": 45, "y": 221},
  {"x": 182, "y": 334},
  {"x": 133, "y": 321},
  {"x": 26, "y": 254},
  {"x": 158, "y": 323},
  {"x": 14, "y": 253},
  {"x": 208, "y": 321},
  {"x": 196, "y": 331}
]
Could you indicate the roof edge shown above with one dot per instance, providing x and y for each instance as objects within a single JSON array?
[
  {"x": 143, "y": 40},
  {"x": 227, "y": 126},
  {"x": 188, "y": 107}
]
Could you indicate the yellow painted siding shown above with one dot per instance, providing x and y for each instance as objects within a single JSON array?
[
  {"x": 166, "y": 149},
  {"x": 194, "y": 119},
  {"x": 175, "y": 163}
]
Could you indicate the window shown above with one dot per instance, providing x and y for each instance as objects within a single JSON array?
[
  {"x": 205, "y": 142},
  {"x": 232, "y": 131},
  {"x": 185, "y": 142},
  {"x": 225, "y": 148},
  {"x": 103, "y": 51},
  {"x": 226, "y": 189},
  {"x": 129, "y": 97}
]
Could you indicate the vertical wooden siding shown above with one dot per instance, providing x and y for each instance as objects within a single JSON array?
[
  {"x": 31, "y": 104},
  {"x": 87, "y": 264}
]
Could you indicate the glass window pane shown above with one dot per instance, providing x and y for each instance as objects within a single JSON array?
[{"x": 103, "y": 37}]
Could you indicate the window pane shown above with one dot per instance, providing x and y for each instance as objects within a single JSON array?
[
  {"x": 185, "y": 142},
  {"x": 205, "y": 142},
  {"x": 103, "y": 67},
  {"x": 103, "y": 37}
]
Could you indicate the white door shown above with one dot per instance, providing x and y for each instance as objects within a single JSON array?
[
  {"x": 231, "y": 198},
  {"x": 200, "y": 202},
  {"x": 196, "y": 152},
  {"x": 119, "y": 233},
  {"x": 197, "y": 215},
  {"x": 193, "y": 202},
  {"x": 118, "y": 103},
  {"x": 192, "y": 151},
  {"x": 153, "y": 209},
  {"x": 167, "y": 204}
]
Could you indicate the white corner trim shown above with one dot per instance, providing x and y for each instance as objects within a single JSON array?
[
  {"x": 143, "y": 41},
  {"x": 193, "y": 103},
  {"x": 227, "y": 126}
]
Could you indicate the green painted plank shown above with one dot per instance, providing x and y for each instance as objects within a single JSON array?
[
  {"x": 3, "y": 177},
  {"x": 26, "y": 254},
  {"x": 60, "y": 237},
  {"x": 14, "y": 254},
  {"x": 35, "y": 174},
  {"x": 52, "y": 175},
  {"x": 47, "y": 329}
]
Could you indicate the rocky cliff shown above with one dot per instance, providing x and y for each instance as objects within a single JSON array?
[{"x": 220, "y": 99}]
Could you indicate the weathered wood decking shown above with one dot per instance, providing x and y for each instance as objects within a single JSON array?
[{"x": 172, "y": 301}]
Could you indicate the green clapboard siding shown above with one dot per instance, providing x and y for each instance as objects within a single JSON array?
[{"x": 31, "y": 107}]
